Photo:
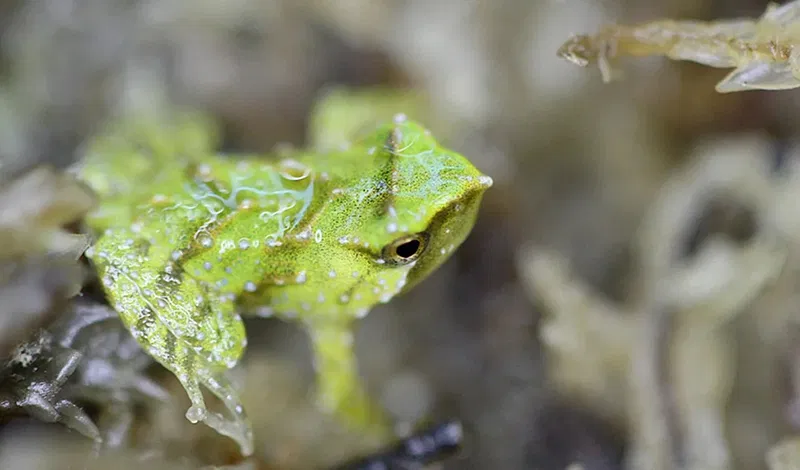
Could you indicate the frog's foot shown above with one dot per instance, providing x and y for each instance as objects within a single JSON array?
[{"x": 238, "y": 428}]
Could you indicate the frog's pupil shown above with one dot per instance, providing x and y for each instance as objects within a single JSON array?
[{"x": 408, "y": 249}]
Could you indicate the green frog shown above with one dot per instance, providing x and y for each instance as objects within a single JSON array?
[{"x": 187, "y": 240}]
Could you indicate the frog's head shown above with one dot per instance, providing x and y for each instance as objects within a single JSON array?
[{"x": 408, "y": 205}]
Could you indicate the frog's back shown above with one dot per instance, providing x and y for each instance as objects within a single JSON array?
[{"x": 136, "y": 157}]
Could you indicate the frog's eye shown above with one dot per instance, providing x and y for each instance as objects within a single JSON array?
[{"x": 406, "y": 249}]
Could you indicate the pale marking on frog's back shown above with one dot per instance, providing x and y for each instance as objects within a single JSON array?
[{"x": 271, "y": 199}]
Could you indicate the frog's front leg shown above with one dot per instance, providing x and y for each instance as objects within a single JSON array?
[
  {"x": 193, "y": 333},
  {"x": 340, "y": 390}
]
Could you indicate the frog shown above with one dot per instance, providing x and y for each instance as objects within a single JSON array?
[{"x": 187, "y": 240}]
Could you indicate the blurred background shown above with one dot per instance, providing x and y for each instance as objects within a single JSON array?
[{"x": 627, "y": 299}]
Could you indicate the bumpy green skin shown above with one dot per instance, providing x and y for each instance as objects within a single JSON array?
[{"x": 188, "y": 240}]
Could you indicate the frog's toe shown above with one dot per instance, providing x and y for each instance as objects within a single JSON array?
[
  {"x": 197, "y": 413},
  {"x": 237, "y": 428}
]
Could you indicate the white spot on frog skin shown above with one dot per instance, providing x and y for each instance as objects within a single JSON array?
[
  {"x": 229, "y": 270},
  {"x": 301, "y": 277},
  {"x": 176, "y": 255},
  {"x": 357, "y": 296},
  {"x": 206, "y": 242},
  {"x": 304, "y": 235},
  {"x": 347, "y": 338},
  {"x": 226, "y": 245},
  {"x": 147, "y": 293},
  {"x": 264, "y": 312},
  {"x": 337, "y": 191},
  {"x": 344, "y": 240},
  {"x": 344, "y": 298},
  {"x": 321, "y": 298},
  {"x": 272, "y": 242},
  {"x": 355, "y": 274},
  {"x": 161, "y": 303},
  {"x": 362, "y": 312},
  {"x": 485, "y": 181},
  {"x": 385, "y": 298},
  {"x": 204, "y": 170},
  {"x": 376, "y": 290},
  {"x": 391, "y": 227},
  {"x": 198, "y": 300},
  {"x": 250, "y": 286},
  {"x": 443, "y": 251},
  {"x": 318, "y": 236},
  {"x": 207, "y": 266},
  {"x": 244, "y": 244},
  {"x": 371, "y": 151},
  {"x": 136, "y": 227},
  {"x": 380, "y": 261},
  {"x": 400, "y": 118},
  {"x": 305, "y": 306},
  {"x": 246, "y": 204},
  {"x": 332, "y": 274},
  {"x": 158, "y": 198}
]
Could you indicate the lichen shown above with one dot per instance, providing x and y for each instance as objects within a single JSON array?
[{"x": 665, "y": 359}]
